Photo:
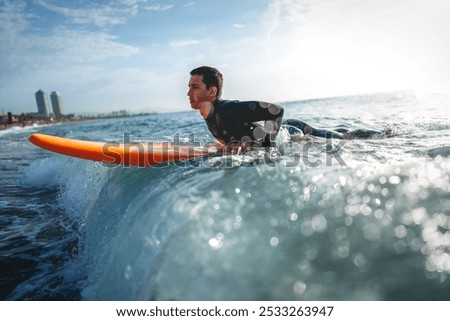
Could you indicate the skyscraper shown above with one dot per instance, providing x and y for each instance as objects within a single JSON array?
[
  {"x": 58, "y": 109},
  {"x": 43, "y": 103}
]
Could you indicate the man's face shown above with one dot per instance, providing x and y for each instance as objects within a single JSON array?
[{"x": 198, "y": 92}]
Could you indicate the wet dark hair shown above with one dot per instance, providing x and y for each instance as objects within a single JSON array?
[{"x": 211, "y": 77}]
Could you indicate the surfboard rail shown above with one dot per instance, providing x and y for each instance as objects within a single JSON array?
[{"x": 130, "y": 154}]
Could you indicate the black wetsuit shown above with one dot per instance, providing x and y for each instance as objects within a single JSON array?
[
  {"x": 251, "y": 123},
  {"x": 255, "y": 123}
]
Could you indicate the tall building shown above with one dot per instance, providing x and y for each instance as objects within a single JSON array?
[
  {"x": 58, "y": 109},
  {"x": 43, "y": 103}
]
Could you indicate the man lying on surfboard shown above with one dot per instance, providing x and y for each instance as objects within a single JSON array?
[
  {"x": 249, "y": 123},
  {"x": 233, "y": 123}
]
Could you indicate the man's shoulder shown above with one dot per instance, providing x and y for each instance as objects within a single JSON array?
[
  {"x": 225, "y": 102},
  {"x": 251, "y": 104},
  {"x": 238, "y": 103}
]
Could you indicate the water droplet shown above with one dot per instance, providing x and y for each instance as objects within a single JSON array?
[
  {"x": 274, "y": 241},
  {"x": 215, "y": 243},
  {"x": 390, "y": 204},
  {"x": 306, "y": 229},
  {"x": 299, "y": 288},
  {"x": 348, "y": 221},
  {"x": 394, "y": 180},
  {"x": 319, "y": 223},
  {"x": 311, "y": 254},
  {"x": 400, "y": 231},
  {"x": 379, "y": 214},
  {"x": 371, "y": 232},
  {"x": 343, "y": 252},
  {"x": 128, "y": 272},
  {"x": 419, "y": 215},
  {"x": 360, "y": 260},
  {"x": 341, "y": 233}
]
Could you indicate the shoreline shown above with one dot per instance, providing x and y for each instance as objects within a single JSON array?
[
  {"x": 40, "y": 122},
  {"x": 31, "y": 123}
]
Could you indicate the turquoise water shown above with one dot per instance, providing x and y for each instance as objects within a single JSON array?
[{"x": 311, "y": 220}]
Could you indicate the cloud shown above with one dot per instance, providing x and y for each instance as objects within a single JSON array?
[
  {"x": 284, "y": 12},
  {"x": 101, "y": 15},
  {"x": 356, "y": 46},
  {"x": 85, "y": 46},
  {"x": 132, "y": 2},
  {"x": 23, "y": 51},
  {"x": 184, "y": 43},
  {"x": 13, "y": 22},
  {"x": 13, "y": 17},
  {"x": 238, "y": 25},
  {"x": 159, "y": 7}
]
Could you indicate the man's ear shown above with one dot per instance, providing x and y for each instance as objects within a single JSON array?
[{"x": 213, "y": 91}]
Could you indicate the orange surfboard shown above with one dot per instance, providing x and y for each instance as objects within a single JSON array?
[{"x": 132, "y": 154}]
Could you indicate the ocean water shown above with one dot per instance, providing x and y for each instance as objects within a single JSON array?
[{"x": 310, "y": 220}]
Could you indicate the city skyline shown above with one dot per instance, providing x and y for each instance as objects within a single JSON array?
[
  {"x": 137, "y": 54},
  {"x": 49, "y": 106}
]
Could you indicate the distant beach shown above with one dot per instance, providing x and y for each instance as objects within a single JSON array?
[
  {"x": 30, "y": 123},
  {"x": 27, "y": 120}
]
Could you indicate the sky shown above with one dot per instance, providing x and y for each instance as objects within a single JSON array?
[{"x": 136, "y": 55}]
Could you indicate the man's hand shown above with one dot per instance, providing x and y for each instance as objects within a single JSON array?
[{"x": 214, "y": 148}]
